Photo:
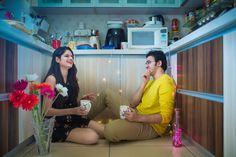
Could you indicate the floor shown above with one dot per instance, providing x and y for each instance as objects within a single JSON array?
[{"x": 161, "y": 147}]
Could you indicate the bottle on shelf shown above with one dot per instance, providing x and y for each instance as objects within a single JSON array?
[{"x": 175, "y": 29}]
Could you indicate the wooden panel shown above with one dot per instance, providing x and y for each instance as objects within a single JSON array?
[
  {"x": 201, "y": 69},
  {"x": 2, "y": 67},
  {"x": 3, "y": 128},
  {"x": 11, "y": 65},
  {"x": 8, "y": 114},
  {"x": 202, "y": 121}
]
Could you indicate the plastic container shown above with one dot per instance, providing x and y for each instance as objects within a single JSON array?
[{"x": 56, "y": 44}]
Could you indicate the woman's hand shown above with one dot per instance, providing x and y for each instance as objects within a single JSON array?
[
  {"x": 80, "y": 111},
  {"x": 91, "y": 96},
  {"x": 132, "y": 115}
]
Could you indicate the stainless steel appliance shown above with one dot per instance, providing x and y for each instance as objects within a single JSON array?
[{"x": 157, "y": 19}]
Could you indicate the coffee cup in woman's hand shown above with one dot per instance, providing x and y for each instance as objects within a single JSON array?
[{"x": 85, "y": 105}]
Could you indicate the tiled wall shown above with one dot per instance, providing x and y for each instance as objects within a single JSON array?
[{"x": 62, "y": 24}]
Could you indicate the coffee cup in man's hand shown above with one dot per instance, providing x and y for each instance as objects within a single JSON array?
[{"x": 123, "y": 109}]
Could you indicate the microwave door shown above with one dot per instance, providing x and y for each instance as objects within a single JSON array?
[{"x": 143, "y": 39}]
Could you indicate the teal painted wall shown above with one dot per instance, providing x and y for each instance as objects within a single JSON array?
[{"x": 17, "y": 7}]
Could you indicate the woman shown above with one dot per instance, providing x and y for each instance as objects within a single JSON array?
[{"x": 69, "y": 123}]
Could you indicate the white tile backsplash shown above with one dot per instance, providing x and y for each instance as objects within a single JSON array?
[{"x": 62, "y": 24}]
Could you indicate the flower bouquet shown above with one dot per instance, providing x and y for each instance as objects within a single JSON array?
[{"x": 42, "y": 127}]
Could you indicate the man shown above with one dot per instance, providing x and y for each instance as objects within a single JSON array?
[{"x": 151, "y": 107}]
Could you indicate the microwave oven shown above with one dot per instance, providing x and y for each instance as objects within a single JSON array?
[{"x": 144, "y": 38}]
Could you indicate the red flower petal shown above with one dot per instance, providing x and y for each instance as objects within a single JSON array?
[
  {"x": 20, "y": 85},
  {"x": 15, "y": 97},
  {"x": 29, "y": 101}
]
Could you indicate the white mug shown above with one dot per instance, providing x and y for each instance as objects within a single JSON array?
[
  {"x": 123, "y": 109},
  {"x": 124, "y": 45},
  {"x": 85, "y": 104}
]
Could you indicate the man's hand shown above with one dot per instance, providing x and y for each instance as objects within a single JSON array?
[
  {"x": 132, "y": 115},
  {"x": 91, "y": 96},
  {"x": 146, "y": 76}
]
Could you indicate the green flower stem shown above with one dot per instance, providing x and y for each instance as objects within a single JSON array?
[
  {"x": 45, "y": 113},
  {"x": 39, "y": 130}
]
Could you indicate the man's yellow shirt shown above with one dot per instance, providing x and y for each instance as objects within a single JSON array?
[{"x": 158, "y": 97}]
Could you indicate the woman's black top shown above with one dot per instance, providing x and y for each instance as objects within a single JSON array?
[{"x": 64, "y": 124}]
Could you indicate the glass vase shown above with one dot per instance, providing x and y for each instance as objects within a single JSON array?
[
  {"x": 177, "y": 138},
  {"x": 177, "y": 131},
  {"x": 42, "y": 130}
]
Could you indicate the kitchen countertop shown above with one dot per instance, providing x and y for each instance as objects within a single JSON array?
[
  {"x": 111, "y": 52},
  {"x": 211, "y": 30},
  {"x": 20, "y": 37}
]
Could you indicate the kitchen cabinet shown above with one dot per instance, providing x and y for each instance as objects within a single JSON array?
[
  {"x": 65, "y": 3},
  {"x": 109, "y": 3},
  {"x": 167, "y": 3},
  {"x": 205, "y": 90},
  {"x": 80, "y": 3},
  {"x": 201, "y": 71},
  {"x": 8, "y": 114},
  {"x": 51, "y": 3},
  {"x": 137, "y": 3}
]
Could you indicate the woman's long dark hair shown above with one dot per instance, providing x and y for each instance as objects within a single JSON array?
[{"x": 56, "y": 72}]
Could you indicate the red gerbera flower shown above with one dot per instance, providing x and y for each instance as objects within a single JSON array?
[
  {"x": 33, "y": 87},
  {"x": 15, "y": 97},
  {"x": 29, "y": 101},
  {"x": 20, "y": 85}
]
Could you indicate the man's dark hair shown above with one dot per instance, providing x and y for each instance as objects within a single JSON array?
[{"x": 159, "y": 56}]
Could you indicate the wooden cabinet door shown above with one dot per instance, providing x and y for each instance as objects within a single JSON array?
[
  {"x": 8, "y": 115},
  {"x": 200, "y": 69}
]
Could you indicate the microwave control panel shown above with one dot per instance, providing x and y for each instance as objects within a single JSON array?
[{"x": 164, "y": 37}]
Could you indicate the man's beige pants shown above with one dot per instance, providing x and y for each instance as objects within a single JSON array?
[{"x": 120, "y": 129}]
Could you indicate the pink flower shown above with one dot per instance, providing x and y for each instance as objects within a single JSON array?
[
  {"x": 47, "y": 91},
  {"x": 20, "y": 85}
]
